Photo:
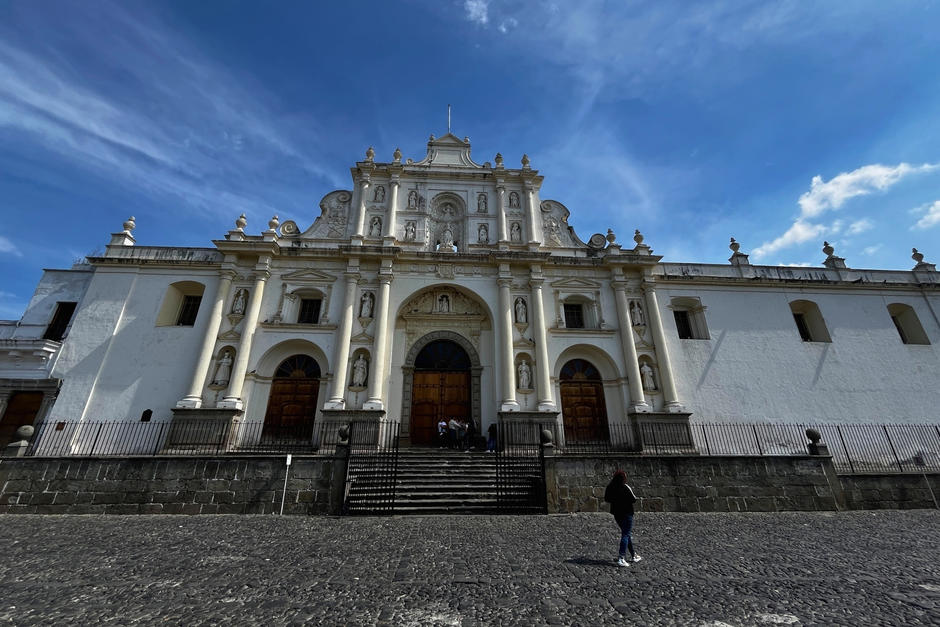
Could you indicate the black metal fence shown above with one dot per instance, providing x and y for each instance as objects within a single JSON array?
[
  {"x": 520, "y": 468},
  {"x": 372, "y": 475}
]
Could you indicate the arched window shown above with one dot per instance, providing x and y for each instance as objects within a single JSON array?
[
  {"x": 809, "y": 321},
  {"x": 298, "y": 367},
  {"x": 181, "y": 304},
  {"x": 907, "y": 323},
  {"x": 690, "y": 318},
  {"x": 579, "y": 370}
]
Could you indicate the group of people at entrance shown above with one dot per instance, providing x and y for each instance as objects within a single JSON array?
[{"x": 455, "y": 434}]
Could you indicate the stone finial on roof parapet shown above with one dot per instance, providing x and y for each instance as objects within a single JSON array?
[
  {"x": 124, "y": 238},
  {"x": 640, "y": 248},
  {"x": 922, "y": 265},
  {"x": 397, "y": 155},
  {"x": 832, "y": 261},
  {"x": 238, "y": 233},
  {"x": 737, "y": 258}
]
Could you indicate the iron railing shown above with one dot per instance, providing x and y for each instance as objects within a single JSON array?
[{"x": 372, "y": 475}]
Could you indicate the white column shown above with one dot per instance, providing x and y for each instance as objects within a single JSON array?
[
  {"x": 193, "y": 398},
  {"x": 659, "y": 337},
  {"x": 501, "y": 213},
  {"x": 361, "y": 210},
  {"x": 337, "y": 398},
  {"x": 391, "y": 219},
  {"x": 637, "y": 399},
  {"x": 508, "y": 375},
  {"x": 530, "y": 215},
  {"x": 379, "y": 351},
  {"x": 542, "y": 367},
  {"x": 233, "y": 397}
]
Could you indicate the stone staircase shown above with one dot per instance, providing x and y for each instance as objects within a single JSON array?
[{"x": 441, "y": 481}]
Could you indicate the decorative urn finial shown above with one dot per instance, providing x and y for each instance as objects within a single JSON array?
[
  {"x": 273, "y": 223},
  {"x": 916, "y": 256},
  {"x": 499, "y": 160},
  {"x": 525, "y": 161},
  {"x": 397, "y": 155},
  {"x": 431, "y": 138},
  {"x": 828, "y": 249},
  {"x": 241, "y": 223},
  {"x": 370, "y": 154},
  {"x": 466, "y": 139},
  {"x": 638, "y": 237},
  {"x": 130, "y": 224},
  {"x": 734, "y": 246},
  {"x": 610, "y": 236}
]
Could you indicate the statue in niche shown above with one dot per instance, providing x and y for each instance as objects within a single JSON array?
[
  {"x": 360, "y": 372},
  {"x": 636, "y": 314},
  {"x": 481, "y": 203},
  {"x": 522, "y": 315},
  {"x": 646, "y": 373},
  {"x": 483, "y": 236},
  {"x": 525, "y": 375},
  {"x": 379, "y": 193},
  {"x": 443, "y": 303},
  {"x": 447, "y": 240},
  {"x": 224, "y": 370},
  {"x": 410, "y": 231},
  {"x": 365, "y": 305},
  {"x": 375, "y": 227},
  {"x": 553, "y": 231},
  {"x": 238, "y": 304},
  {"x": 515, "y": 232},
  {"x": 448, "y": 211},
  {"x": 413, "y": 199},
  {"x": 513, "y": 200}
]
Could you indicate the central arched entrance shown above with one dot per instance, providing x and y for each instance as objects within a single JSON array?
[
  {"x": 440, "y": 390},
  {"x": 583, "y": 407},
  {"x": 292, "y": 404}
]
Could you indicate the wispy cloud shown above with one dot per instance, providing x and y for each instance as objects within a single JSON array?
[
  {"x": 860, "y": 226},
  {"x": 930, "y": 217},
  {"x": 871, "y": 250},
  {"x": 8, "y": 247},
  {"x": 477, "y": 11}
]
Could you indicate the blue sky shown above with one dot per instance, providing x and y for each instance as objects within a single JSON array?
[{"x": 778, "y": 123}]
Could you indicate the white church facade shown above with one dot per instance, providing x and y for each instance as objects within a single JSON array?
[{"x": 447, "y": 288}]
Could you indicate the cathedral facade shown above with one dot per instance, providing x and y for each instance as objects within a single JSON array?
[{"x": 446, "y": 288}]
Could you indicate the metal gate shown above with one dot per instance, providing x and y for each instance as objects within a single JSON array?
[
  {"x": 372, "y": 473},
  {"x": 520, "y": 469}
]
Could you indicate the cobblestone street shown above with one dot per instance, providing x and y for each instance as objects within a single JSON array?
[{"x": 699, "y": 569}]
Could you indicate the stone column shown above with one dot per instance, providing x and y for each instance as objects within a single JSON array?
[
  {"x": 501, "y": 213},
  {"x": 233, "y": 397},
  {"x": 540, "y": 337},
  {"x": 391, "y": 218},
  {"x": 530, "y": 215},
  {"x": 361, "y": 210},
  {"x": 635, "y": 384},
  {"x": 379, "y": 351},
  {"x": 337, "y": 398},
  {"x": 508, "y": 374},
  {"x": 193, "y": 398},
  {"x": 659, "y": 337}
]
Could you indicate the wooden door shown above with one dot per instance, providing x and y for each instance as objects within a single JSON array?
[
  {"x": 584, "y": 410},
  {"x": 437, "y": 395},
  {"x": 21, "y": 410},
  {"x": 292, "y": 407}
]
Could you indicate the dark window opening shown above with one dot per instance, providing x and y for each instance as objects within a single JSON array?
[
  {"x": 146, "y": 416},
  {"x": 900, "y": 328},
  {"x": 60, "y": 321},
  {"x": 188, "y": 311},
  {"x": 309, "y": 311},
  {"x": 574, "y": 316},
  {"x": 803, "y": 328},
  {"x": 683, "y": 324}
]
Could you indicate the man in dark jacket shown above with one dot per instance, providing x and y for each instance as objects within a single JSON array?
[{"x": 621, "y": 499}]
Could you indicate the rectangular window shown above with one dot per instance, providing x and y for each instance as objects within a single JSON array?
[
  {"x": 60, "y": 321},
  {"x": 803, "y": 328},
  {"x": 188, "y": 311},
  {"x": 574, "y": 316},
  {"x": 309, "y": 311},
  {"x": 683, "y": 324}
]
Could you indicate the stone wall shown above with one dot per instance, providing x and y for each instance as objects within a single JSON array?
[
  {"x": 175, "y": 485},
  {"x": 891, "y": 491},
  {"x": 694, "y": 484}
]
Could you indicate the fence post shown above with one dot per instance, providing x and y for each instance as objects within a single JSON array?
[
  {"x": 760, "y": 451},
  {"x": 708, "y": 450},
  {"x": 891, "y": 444}
]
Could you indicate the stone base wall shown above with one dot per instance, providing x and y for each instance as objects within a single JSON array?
[
  {"x": 174, "y": 485},
  {"x": 693, "y": 484},
  {"x": 891, "y": 491}
]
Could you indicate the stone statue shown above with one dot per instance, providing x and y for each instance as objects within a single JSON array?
[
  {"x": 525, "y": 375},
  {"x": 443, "y": 303},
  {"x": 521, "y": 314},
  {"x": 515, "y": 232},
  {"x": 224, "y": 369},
  {"x": 513, "y": 200},
  {"x": 360, "y": 372},
  {"x": 379, "y": 193},
  {"x": 238, "y": 305},
  {"x": 447, "y": 238},
  {"x": 553, "y": 231},
  {"x": 483, "y": 236},
  {"x": 375, "y": 227},
  {"x": 410, "y": 231},
  {"x": 481, "y": 203},
  {"x": 365, "y": 305},
  {"x": 413, "y": 199},
  {"x": 646, "y": 373},
  {"x": 636, "y": 314}
]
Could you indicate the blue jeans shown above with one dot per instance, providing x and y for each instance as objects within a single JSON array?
[{"x": 626, "y": 539}]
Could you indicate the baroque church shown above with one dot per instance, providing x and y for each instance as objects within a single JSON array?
[{"x": 444, "y": 288}]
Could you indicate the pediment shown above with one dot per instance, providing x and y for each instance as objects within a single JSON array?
[
  {"x": 308, "y": 276},
  {"x": 449, "y": 150},
  {"x": 576, "y": 284}
]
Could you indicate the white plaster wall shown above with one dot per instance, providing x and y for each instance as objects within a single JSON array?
[
  {"x": 55, "y": 286},
  {"x": 756, "y": 368}
]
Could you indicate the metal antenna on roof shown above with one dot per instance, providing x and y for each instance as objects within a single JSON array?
[{"x": 448, "y": 118}]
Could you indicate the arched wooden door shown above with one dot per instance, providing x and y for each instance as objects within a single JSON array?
[
  {"x": 440, "y": 389},
  {"x": 292, "y": 404},
  {"x": 583, "y": 407}
]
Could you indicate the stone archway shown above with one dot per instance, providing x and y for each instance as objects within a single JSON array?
[{"x": 409, "y": 377}]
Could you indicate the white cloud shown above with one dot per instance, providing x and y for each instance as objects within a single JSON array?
[
  {"x": 871, "y": 250},
  {"x": 800, "y": 232},
  {"x": 477, "y": 11},
  {"x": 931, "y": 216},
  {"x": 6, "y": 246},
  {"x": 833, "y": 193},
  {"x": 860, "y": 226},
  {"x": 507, "y": 25}
]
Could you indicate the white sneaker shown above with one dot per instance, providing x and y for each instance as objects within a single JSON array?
[
  {"x": 636, "y": 558},
  {"x": 622, "y": 562}
]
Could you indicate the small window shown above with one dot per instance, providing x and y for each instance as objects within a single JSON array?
[
  {"x": 309, "y": 311},
  {"x": 574, "y": 316},
  {"x": 907, "y": 324},
  {"x": 683, "y": 324},
  {"x": 60, "y": 321},
  {"x": 689, "y": 314},
  {"x": 188, "y": 311},
  {"x": 146, "y": 415},
  {"x": 809, "y": 321}
]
